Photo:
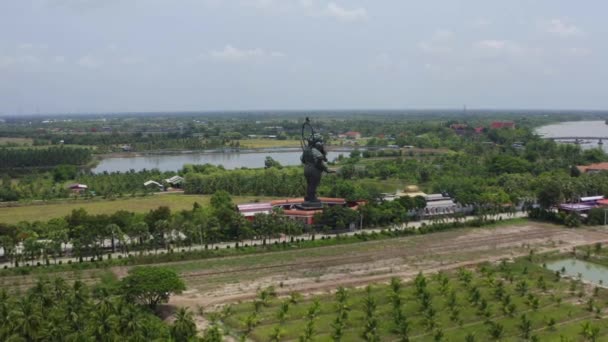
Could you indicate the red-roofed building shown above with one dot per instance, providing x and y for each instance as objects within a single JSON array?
[
  {"x": 459, "y": 128},
  {"x": 78, "y": 188},
  {"x": 479, "y": 130},
  {"x": 290, "y": 208},
  {"x": 353, "y": 135},
  {"x": 502, "y": 124},
  {"x": 593, "y": 168}
]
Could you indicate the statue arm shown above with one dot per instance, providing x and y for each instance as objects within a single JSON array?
[{"x": 320, "y": 160}]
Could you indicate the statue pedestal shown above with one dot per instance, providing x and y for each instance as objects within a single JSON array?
[{"x": 310, "y": 205}]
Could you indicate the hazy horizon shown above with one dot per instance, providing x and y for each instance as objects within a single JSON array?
[{"x": 134, "y": 56}]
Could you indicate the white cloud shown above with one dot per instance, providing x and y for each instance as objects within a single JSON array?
[
  {"x": 260, "y": 3},
  {"x": 434, "y": 48},
  {"x": 494, "y": 46},
  {"x": 24, "y": 61},
  {"x": 29, "y": 59},
  {"x": 59, "y": 59},
  {"x": 348, "y": 15},
  {"x": 90, "y": 62},
  {"x": 130, "y": 60},
  {"x": 80, "y": 5},
  {"x": 481, "y": 23},
  {"x": 562, "y": 28},
  {"x": 578, "y": 52},
  {"x": 306, "y": 3},
  {"x": 438, "y": 44},
  {"x": 232, "y": 54},
  {"x": 443, "y": 34},
  {"x": 6, "y": 61},
  {"x": 382, "y": 61},
  {"x": 25, "y": 46}
]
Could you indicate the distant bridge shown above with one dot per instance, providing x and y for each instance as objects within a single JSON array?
[{"x": 577, "y": 140}]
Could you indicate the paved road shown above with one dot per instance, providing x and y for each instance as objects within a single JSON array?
[{"x": 223, "y": 245}]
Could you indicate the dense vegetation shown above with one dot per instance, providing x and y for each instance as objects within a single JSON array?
[
  {"x": 93, "y": 236},
  {"x": 54, "y": 310},
  {"x": 15, "y": 158}
]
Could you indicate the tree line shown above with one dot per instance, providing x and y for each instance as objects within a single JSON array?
[
  {"x": 83, "y": 235},
  {"x": 43, "y": 157}
]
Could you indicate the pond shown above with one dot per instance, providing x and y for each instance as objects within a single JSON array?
[
  {"x": 593, "y": 273},
  {"x": 174, "y": 162}
]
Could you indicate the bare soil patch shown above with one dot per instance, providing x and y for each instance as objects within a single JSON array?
[{"x": 375, "y": 261}]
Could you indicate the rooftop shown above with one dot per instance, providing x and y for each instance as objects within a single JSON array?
[{"x": 593, "y": 167}]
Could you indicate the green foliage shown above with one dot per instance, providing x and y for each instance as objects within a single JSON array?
[
  {"x": 55, "y": 311},
  {"x": 151, "y": 285},
  {"x": 183, "y": 328},
  {"x": 45, "y": 157},
  {"x": 63, "y": 173}
]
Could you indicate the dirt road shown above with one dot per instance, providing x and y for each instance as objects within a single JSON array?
[{"x": 323, "y": 269}]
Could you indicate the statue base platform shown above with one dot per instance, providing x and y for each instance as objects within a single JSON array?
[{"x": 310, "y": 205}]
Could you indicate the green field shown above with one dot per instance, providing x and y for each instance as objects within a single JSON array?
[
  {"x": 268, "y": 143},
  {"x": 43, "y": 212},
  {"x": 20, "y": 141},
  {"x": 488, "y": 302}
]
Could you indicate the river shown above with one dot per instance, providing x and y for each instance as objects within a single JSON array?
[
  {"x": 174, "y": 162},
  {"x": 577, "y": 129}
]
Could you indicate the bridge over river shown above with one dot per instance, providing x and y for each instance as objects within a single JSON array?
[{"x": 579, "y": 140}]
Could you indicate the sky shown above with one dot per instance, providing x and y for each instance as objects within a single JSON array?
[{"x": 74, "y": 56}]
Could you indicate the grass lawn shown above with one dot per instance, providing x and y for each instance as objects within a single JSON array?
[
  {"x": 43, "y": 212},
  {"x": 20, "y": 141},
  {"x": 477, "y": 306},
  {"x": 268, "y": 143},
  {"x": 388, "y": 185}
]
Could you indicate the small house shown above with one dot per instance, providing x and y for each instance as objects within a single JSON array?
[
  {"x": 352, "y": 135},
  {"x": 175, "y": 181},
  {"x": 78, "y": 188},
  {"x": 151, "y": 183}
]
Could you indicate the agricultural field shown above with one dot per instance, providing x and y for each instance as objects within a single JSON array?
[
  {"x": 502, "y": 301},
  {"x": 219, "y": 281},
  {"x": 4, "y": 141},
  {"x": 43, "y": 212}
]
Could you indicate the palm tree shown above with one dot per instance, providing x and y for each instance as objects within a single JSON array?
[
  {"x": 496, "y": 330},
  {"x": 130, "y": 324},
  {"x": 309, "y": 331},
  {"x": 276, "y": 334},
  {"x": 370, "y": 332},
  {"x": 104, "y": 325},
  {"x": 283, "y": 309},
  {"x": 525, "y": 327},
  {"x": 250, "y": 322},
  {"x": 25, "y": 320},
  {"x": 589, "y": 332},
  {"x": 403, "y": 330},
  {"x": 8, "y": 244},
  {"x": 183, "y": 328},
  {"x": 213, "y": 334},
  {"x": 113, "y": 230}
]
